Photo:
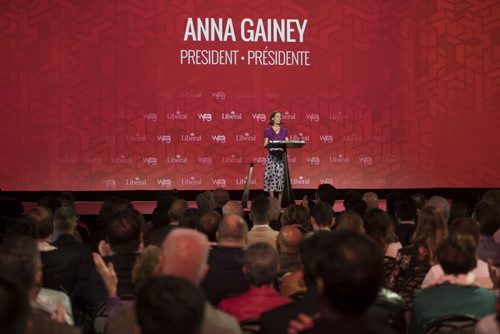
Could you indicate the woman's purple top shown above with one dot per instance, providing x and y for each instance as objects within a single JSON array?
[{"x": 271, "y": 135}]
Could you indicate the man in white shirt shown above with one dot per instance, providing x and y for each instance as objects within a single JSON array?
[{"x": 260, "y": 215}]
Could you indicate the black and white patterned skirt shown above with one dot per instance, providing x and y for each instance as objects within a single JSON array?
[{"x": 274, "y": 175}]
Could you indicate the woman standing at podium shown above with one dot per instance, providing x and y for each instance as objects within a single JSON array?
[{"x": 274, "y": 175}]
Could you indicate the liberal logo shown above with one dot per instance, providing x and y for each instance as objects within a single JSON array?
[
  {"x": 301, "y": 180},
  {"x": 366, "y": 160},
  {"x": 339, "y": 159},
  {"x": 177, "y": 115},
  {"x": 191, "y": 137},
  {"x": 177, "y": 160},
  {"x": 314, "y": 161},
  {"x": 312, "y": 117},
  {"x": 137, "y": 181},
  {"x": 219, "y": 183},
  {"x": 136, "y": 138},
  {"x": 150, "y": 161},
  {"x": 165, "y": 183},
  {"x": 232, "y": 159},
  {"x": 205, "y": 161},
  {"x": 259, "y": 117},
  {"x": 232, "y": 115},
  {"x": 206, "y": 117},
  {"x": 327, "y": 139},
  {"x": 192, "y": 181},
  {"x": 246, "y": 137},
  {"x": 219, "y": 139},
  {"x": 164, "y": 139}
]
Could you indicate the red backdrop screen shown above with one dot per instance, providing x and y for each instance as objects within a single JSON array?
[{"x": 116, "y": 94}]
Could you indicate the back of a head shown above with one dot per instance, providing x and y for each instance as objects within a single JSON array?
[
  {"x": 65, "y": 219},
  {"x": 160, "y": 217},
  {"x": 322, "y": 214},
  {"x": 350, "y": 221},
  {"x": 351, "y": 195},
  {"x": 492, "y": 197},
  {"x": 488, "y": 218},
  {"x": 43, "y": 219},
  {"x": 177, "y": 209},
  {"x": 350, "y": 268},
  {"x": 419, "y": 199},
  {"x": 66, "y": 198},
  {"x": 106, "y": 209},
  {"x": 49, "y": 202},
  {"x": 431, "y": 228},
  {"x": 210, "y": 221},
  {"x": 356, "y": 205},
  {"x": 371, "y": 200},
  {"x": 123, "y": 231},
  {"x": 185, "y": 254},
  {"x": 327, "y": 193},
  {"x": 458, "y": 210},
  {"x": 170, "y": 305},
  {"x": 391, "y": 200},
  {"x": 310, "y": 250},
  {"x": 378, "y": 226},
  {"x": 220, "y": 197},
  {"x": 289, "y": 239},
  {"x": 457, "y": 255},
  {"x": 145, "y": 266},
  {"x": 232, "y": 228},
  {"x": 406, "y": 209},
  {"x": 297, "y": 215},
  {"x": 464, "y": 226},
  {"x": 164, "y": 199},
  {"x": 260, "y": 210},
  {"x": 233, "y": 208},
  {"x": 261, "y": 263},
  {"x": 204, "y": 201},
  {"x": 14, "y": 307},
  {"x": 121, "y": 204},
  {"x": 191, "y": 219},
  {"x": 441, "y": 204},
  {"x": 20, "y": 260}
]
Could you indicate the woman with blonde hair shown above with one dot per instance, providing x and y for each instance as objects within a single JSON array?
[{"x": 420, "y": 255}]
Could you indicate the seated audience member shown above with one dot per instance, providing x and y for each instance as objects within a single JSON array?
[
  {"x": 14, "y": 307},
  {"x": 391, "y": 200},
  {"x": 324, "y": 193},
  {"x": 349, "y": 274},
  {"x": 225, "y": 261},
  {"x": 191, "y": 219},
  {"x": 175, "y": 212},
  {"x": 480, "y": 275},
  {"x": 299, "y": 216},
  {"x": 49, "y": 202},
  {"x": 204, "y": 201},
  {"x": 145, "y": 266},
  {"x": 458, "y": 210},
  {"x": 20, "y": 261},
  {"x": 371, "y": 200},
  {"x": 124, "y": 243},
  {"x": 67, "y": 200},
  {"x": 99, "y": 229},
  {"x": 442, "y": 205},
  {"x": 379, "y": 227},
  {"x": 260, "y": 215},
  {"x": 406, "y": 214},
  {"x": 170, "y": 305},
  {"x": 421, "y": 253},
  {"x": 322, "y": 217},
  {"x": 455, "y": 294},
  {"x": 288, "y": 244},
  {"x": 356, "y": 205},
  {"x": 159, "y": 226},
  {"x": 233, "y": 208},
  {"x": 220, "y": 197},
  {"x": 388, "y": 307},
  {"x": 43, "y": 219},
  {"x": 210, "y": 221},
  {"x": 420, "y": 200},
  {"x": 492, "y": 197},
  {"x": 62, "y": 265},
  {"x": 184, "y": 254},
  {"x": 351, "y": 221},
  {"x": 261, "y": 269},
  {"x": 488, "y": 219},
  {"x": 275, "y": 213}
]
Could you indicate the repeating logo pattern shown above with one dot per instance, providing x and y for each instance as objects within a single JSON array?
[{"x": 397, "y": 94}]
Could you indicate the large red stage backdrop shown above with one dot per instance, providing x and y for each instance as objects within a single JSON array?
[{"x": 129, "y": 94}]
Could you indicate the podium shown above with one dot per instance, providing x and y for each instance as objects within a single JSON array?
[{"x": 288, "y": 196}]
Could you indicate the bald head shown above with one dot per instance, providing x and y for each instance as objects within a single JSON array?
[
  {"x": 232, "y": 230},
  {"x": 184, "y": 253},
  {"x": 371, "y": 200},
  {"x": 232, "y": 208},
  {"x": 289, "y": 239}
]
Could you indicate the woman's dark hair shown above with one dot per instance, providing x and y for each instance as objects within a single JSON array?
[
  {"x": 379, "y": 227},
  {"x": 271, "y": 122},
  {"x": 457, "y": 255}
]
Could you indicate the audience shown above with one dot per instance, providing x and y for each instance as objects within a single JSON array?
[
  {"x": 261, "y": 269},
  {"x": 260, "y": 216},
  {"x": 298, "y": 216},
  {"x": 454, "y": 293},
  {"x": 43, "y": 219},
  {"x": 154, "y": 311},
  {"x": 289, "y": 239},
  {"x": 204, "y": 201},
  {"x": 225, "y": 261},
  {"x": 379, "y": 227},
  {"x": 220, "y": 197},
  {"x": 322, "y": 217},
  {"x": 420, "y": 255},
  {"x": 351, "y": 221},
  {"x": 14, "y": 307},
  {"x": 442, "y": 205},
  {"x": 488, "y": 219},
  {"x": 233, "y": 208},
  {"x": 406, "y": 214},
  {"x": 371, "y": 200},
  {"x": 210, "y": 221}
]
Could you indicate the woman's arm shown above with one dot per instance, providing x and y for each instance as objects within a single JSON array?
[{"x": 266, "y": 141}]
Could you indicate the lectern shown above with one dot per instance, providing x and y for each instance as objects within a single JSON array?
[{"x": 288, "y": 196}]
